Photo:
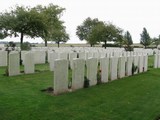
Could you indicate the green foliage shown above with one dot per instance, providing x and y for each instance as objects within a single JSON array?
[
  {"x": 112, "y": 33},
  {"x": 110, "y": 45},
  {"x": 128, "y": 48},
  {"x": 128, "y": 41},
  {"x": 156, "y": 41},
  {"x": 24, "y": 21},
  {"x": 55, "y": 29},
  {"x": 84, "y": 30},
  {"x": 86, "y": 82},
  {"x": 34, "y": 22},
  {"x": 10, "y": 46},
  {"x": 103, "y": 32},
  {"x": 95, "y": 34},
  {"x": 94, "y": 31},
  {"x": 128, "y": 38},
  {"x": 145, "y": 38},
  {"x": 99, "y": 77},
  {"x": 60, "y": 36},
  {"x": 134, "y": 68},
  {"x": 3, "y": 34},
  {"x": 26, "y": 46}
]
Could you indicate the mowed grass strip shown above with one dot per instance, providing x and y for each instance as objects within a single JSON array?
[{"x": 131, "y": 98}]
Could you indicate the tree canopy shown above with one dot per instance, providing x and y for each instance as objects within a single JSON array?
[
  {"x": 128, "y": 41},
  {"x": 84, "y": 30},
  {"x": 34, "y": 22},
  {"x": 156, "y": 40},
  {"x": 55, "y": 28},
  {"x": 93, "y": 31},
  {"x": 112, "y": 33},
  {"x": 145, "y": 38},
  {"x": 24, "y": 21}
]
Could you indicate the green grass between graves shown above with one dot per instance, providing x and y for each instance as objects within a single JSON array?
[{"x": 131, "y": 98}]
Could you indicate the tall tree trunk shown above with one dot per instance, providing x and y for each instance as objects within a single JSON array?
[
  {"x": 58, "y": 44},
  {"x": 45, "y": 41},
  {"x": 105, "y": 44},
  {"x": 21, "y": 40},
  {"x": 21, "y": 44}
]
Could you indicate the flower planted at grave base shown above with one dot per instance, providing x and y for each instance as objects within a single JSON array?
[
  {"x": 99, "y": 77},
  {"x": 134, "y": 69},
  {"x": 86, "y": 82}
]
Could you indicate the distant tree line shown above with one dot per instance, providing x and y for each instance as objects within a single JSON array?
[
  {"x": 44, "y": 21},
  {"x": 95, "y": 31}
]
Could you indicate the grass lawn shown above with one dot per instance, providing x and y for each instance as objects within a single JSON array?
[{"x": 131, "y": 98}]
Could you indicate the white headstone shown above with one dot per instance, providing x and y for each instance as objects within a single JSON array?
[
  {"x": 3, "y": 58},
  {"x": 155, "y": 60},
  {"x": 14, "y": 61},
  {"x": 158, "y": 61},
  {"x": 92, "y": 70},
  {"x": 82, "y": 55},
  {"x": 145, "y": 63},
  {"x": 48, "y": 55},
  {"x": 53, "y": 57},
  {"x": 89, "y": 55},
  {"x": 140, "y": 65},
  {"x": 39, "y": 57},
  {"x": 113, "y": 68},
  {"x": 78, "y": 73},
  {"x": 96, "y": 55},
  {"x": 104, "y": 69},
  {"x": 63, "y": 55},
  {"x": 136, "y": 62},
  {"x": 129, "y": 66},
  {"x": 102, "y": 54},
  {"x": 121, "y": 67},
  {"x": 72, "y": 56},
  {"x": 29, "y": 63},
  {"x": 23, "y": 56},
  {"x": 60, "y": 76}
]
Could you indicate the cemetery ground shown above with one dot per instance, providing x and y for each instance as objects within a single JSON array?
[{"x": 130, "y": 98}]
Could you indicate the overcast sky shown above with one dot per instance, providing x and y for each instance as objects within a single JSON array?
[{"x": 131, "y": 15}]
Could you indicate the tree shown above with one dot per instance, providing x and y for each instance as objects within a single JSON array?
[
  {"x": 96, "y": 34},
  {"x": 60, "y": 36},
  {"x": 83, "y": 31},
  {"x": 103, "y": 32},
  {"x": 24, "y": 21},
  {"x": 145, "y": 38},
  {"x": 117, "y": 35},
  {"x": 120, "y": 40},
  {"x": 3, "y": 34},
  {"x": 55, "y": 28},
  {"x": 156, "y": 41},
  {"x": 128, "y": 41}
]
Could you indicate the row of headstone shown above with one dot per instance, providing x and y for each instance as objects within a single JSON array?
[
  {"x": 41, "y": 53},
  {"x": 39, "y": 56},
  {"x": 14, "y": 63},
  {"x": 86, "y": 55},
  {"x": 92, "y": 49},
  {"x": 110, "y": 69}
]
